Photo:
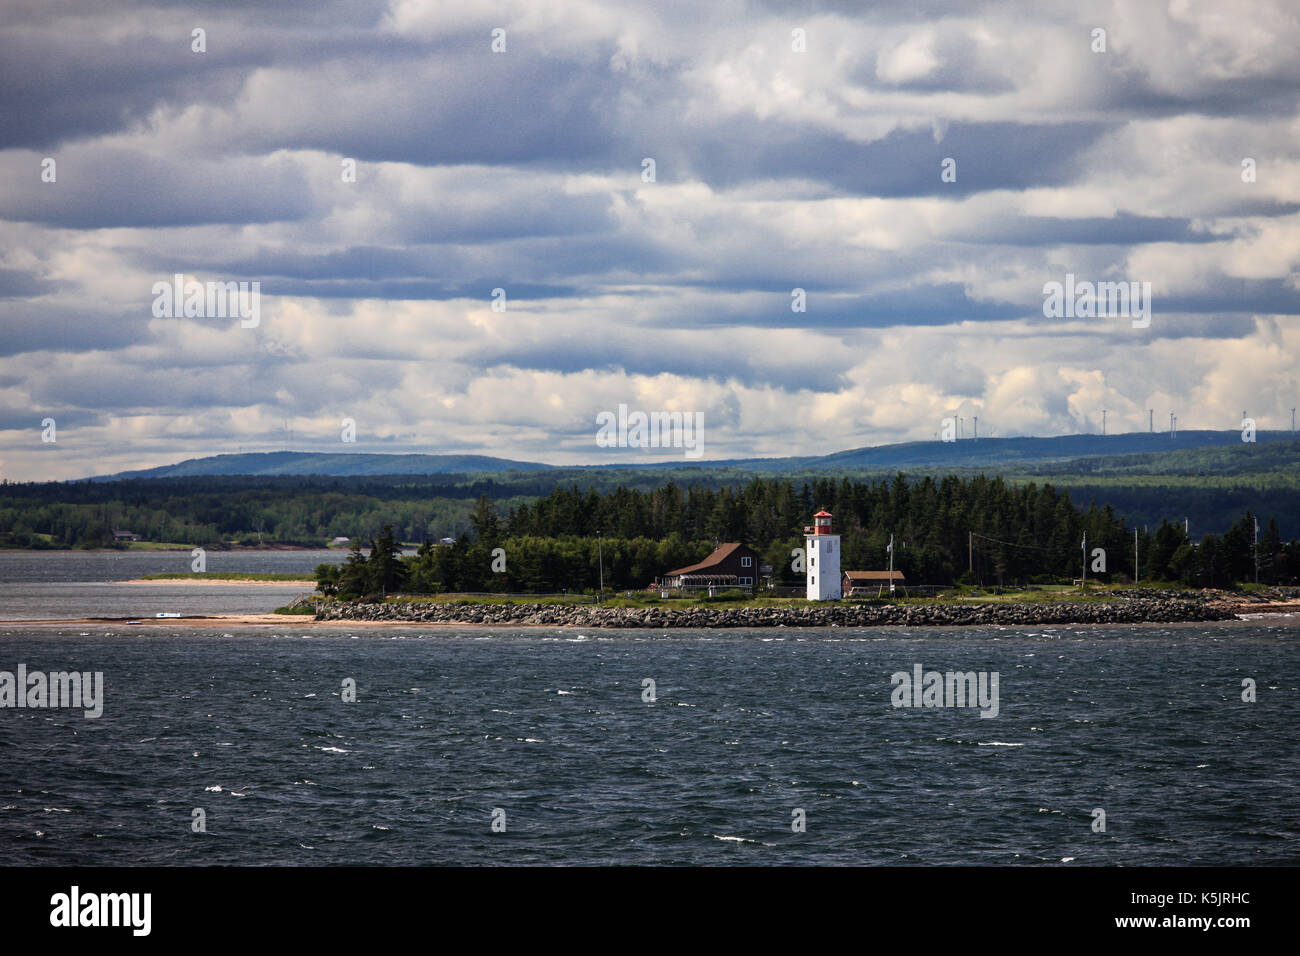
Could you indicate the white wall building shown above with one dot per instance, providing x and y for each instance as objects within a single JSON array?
[{"x": 822, "y": 559}]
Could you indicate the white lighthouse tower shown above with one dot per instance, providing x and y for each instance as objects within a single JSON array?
[{"x": 822, "y": 553}]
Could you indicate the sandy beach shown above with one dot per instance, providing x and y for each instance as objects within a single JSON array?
[
  {"x": 291, "y": 621},
  {"x": 210, "y": 582}
]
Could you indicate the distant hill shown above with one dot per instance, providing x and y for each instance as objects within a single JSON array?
[
  {"x": 307, "y": 463},
  {"x": 937, "y": 456},
  {"x": 931, "y": 456}
]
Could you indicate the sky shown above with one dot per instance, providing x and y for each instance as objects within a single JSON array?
[{"x": 920, "y": 170}]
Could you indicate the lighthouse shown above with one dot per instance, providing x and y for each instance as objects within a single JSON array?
[{"x": 823, "y": 559}]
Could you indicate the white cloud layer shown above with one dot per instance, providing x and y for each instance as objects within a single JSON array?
[{"x": 523, "y": 170}]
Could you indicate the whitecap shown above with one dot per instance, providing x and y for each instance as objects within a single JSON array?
[
  {"x": 997, "y": 743},
  {"x": 736, "y": 839}
]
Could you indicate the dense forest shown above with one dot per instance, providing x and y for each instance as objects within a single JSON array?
[
  {"x": 959, "y": 527},
  {"x": 223, "y": 510},
  {"x": 1210, "y": 487},
  {"x": 951, "y": 530}
]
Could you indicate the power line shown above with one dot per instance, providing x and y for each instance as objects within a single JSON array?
[{"x": 1010, "y": 544}]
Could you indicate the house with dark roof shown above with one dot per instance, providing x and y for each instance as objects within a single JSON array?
[{"x": 731, "y": 565}]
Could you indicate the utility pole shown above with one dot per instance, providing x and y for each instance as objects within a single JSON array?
[
  {"x": 1103, "y": 421},
  {"x": 600, "y": 549},
  {"x": 977, "y": 428},
  {"x": 1085, "y": 561},
  {"x": 1255, "y": 548},
  {"x": 1151, "y": 420},
  {"x": 1292, "y": 421},
  {"x": 1135, "y": 557},
  {"x": 1171, "y": 424},
  {"x": 961, "y": 427},
  {"x": 891, "y": 561}
]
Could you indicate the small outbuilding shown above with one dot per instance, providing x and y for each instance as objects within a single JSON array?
[{"x": 870, "y": 583}]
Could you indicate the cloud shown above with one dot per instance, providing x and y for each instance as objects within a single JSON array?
[{"x": 774, "y": 170}]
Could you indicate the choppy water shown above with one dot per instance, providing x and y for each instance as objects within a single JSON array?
[
  {"x": 33, "y": 567},
  {"x": 58, "y": 585},
  {"x": 1145, "y": 722}
]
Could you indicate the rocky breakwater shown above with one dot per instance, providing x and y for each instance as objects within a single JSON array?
[{"x": 1134, "y": 611}]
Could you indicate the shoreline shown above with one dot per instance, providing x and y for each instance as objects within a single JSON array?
[
  {"x": 179, "y": 549},
  {"x": 1144, "y": 610},
  {"x": 209, "y": 582},
  {"x": 198, "y": 621},
  {"x": 294, "y": 622},
  {"x": 1184, "y": 608}
]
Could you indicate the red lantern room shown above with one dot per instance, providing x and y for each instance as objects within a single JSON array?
[{"x": 822, "y": 522}]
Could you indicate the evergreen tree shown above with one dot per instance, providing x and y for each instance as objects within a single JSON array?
[
  {"x": 354, "y": 577},
  {"x": 386, "y": 570}
]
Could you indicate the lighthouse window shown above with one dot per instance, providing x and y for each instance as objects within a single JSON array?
[{"x": 813, "y": 580}]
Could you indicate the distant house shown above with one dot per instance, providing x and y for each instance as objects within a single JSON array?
[
  {"x": 731, "y": 565},
  {"x": 125, "y": 536},
  {"x": 862, "y": 583},
  {"x": 340, "y": 542}
]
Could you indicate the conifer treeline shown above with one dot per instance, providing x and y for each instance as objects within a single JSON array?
[{"x": 945, "y": 531}]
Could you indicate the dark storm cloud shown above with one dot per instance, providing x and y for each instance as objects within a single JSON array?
[
  {"x": 904, "y": 163},
  {"x": 418, "y": 289},
  {"x": 449, "y": 270},
  {"x": 1123, "y": 229},
  {"x": 58, "y": 87},
  {"x": 508, "y": 217},
  {"x": 31, "y": 325},
  {"x": 100, "y": 188},
  {"x": 1236, "y": 295},
  {"x": 569, "y": 354},
  {"x": 17, "y": 284}
]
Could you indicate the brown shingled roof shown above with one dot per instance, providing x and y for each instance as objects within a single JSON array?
[{"x": 717, "y": 557}]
